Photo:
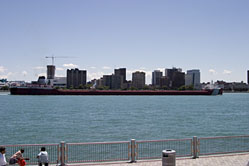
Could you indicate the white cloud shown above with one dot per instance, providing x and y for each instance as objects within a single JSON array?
[
  {"x": 40, "y": 68},
  {"x": 70, "y": 65},
  {"x": 2, "y": 69},
  {"x": 133, "y": 71},
  {"x": 106, "y": 67},
  {"x": 3, "y": 76},
  {"x": 6, "y": 76},
  {"x": 92, "y": 67},
  {"x": 161, "y": 69},
  {"x": 10, "y": 74},
  {"x": 227, "y": 72},
  {"x": 24, "y": 73},
  {"x": 60, "y": 69},
  {"x": 129, "y": 71},
  {"x": 148, "y": 73},
  {"x": 212, "y": 71},
  {"x": 59, "y": 75},
  {"x": 96, "y": 75},
  {"x": 41, "y": 74}
]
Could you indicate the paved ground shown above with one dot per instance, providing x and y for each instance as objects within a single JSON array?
[{"x": 224, "y": 160}]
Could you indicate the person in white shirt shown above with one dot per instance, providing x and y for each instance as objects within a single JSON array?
[
  {"x": 43, "y": 157},
  {"x": 2, "y": 157}
]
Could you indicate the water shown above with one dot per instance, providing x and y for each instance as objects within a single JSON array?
[{"x": 51, "y": 119}]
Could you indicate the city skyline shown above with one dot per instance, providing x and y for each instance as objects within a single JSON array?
[{"x": 100, "y": 36}]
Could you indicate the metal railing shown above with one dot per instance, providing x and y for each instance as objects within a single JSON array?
[
  {"x": 97, "y": 152},
  {"x": 153, "y": 149},
  {"x": 31, "y": 151},
  {"x": 221, "y": 145},
  {"x": 66, "y": 153}
]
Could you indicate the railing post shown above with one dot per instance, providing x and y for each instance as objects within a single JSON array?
[
  {"x": 133, "y": 150},
  {"x": 195, "y": 147},
  {"x": 62, "y": 158}
]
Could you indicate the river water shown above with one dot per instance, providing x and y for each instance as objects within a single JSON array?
[{"x": 51, "y": 119}]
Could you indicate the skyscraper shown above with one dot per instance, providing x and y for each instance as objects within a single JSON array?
[
  {"x": 164, "y": 82},
  {"x": 156, "y": 76},
  {"x": 247, "y": 76},
  {"x": 178, "y": 80},
  {"x": 193, "y": 78},
  {"x": 107, "y": 81},
  {"x": 176, "y": 77},
  {"x": 117, "y": 82},
  {"x": 112, "y": 81},
  {"x": 170, "y": 72},
  {"x": 75, "y": 78},
  {"x": 121, "y": 72},
  {"x": 138, "y": 79}
]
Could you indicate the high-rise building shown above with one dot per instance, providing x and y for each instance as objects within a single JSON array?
[
  {"x": 50, "y": 71},
  {"x": 156, "y": 76},
  {"x": 112, "y": 81},
  {"x": 138, "y": 79},
  {"x": 176, "y": 77},
  {"x": 107, "y": 81},
  {"x": 99, "y": 82},
  {"x": 117, "y": 81},
  {"x": 164, "y": 82},
  {"x": 75, "y": 78},
  {"x": 119, "y": 78},
  {"x": 170, "y": 72},
  {"x": 247, "y": 76},
  {"x": 193, "y": 78},
  {"x": 121, "y": 72}
]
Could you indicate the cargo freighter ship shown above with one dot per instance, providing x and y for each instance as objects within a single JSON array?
[{"x": 52, "y": 91}]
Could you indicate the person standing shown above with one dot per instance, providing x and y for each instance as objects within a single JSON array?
[
  {"x": 43, "y": 157},
  {"x": 2, "y": 156}
]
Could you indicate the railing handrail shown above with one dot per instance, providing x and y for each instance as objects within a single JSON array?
[
  {"x": 166, "y": 140},
  {"x": 215, "y": 153},
  {"x": 29, "y": 145},
  {"x": 220, "y": 137},
  {"x": 93, "y": 143},
  {"x": 141, "y": 149},
  {"x": 141, "y": 141}
]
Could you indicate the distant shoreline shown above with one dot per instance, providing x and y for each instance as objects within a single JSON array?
[
  {"x": 223, "y": 91},
  {"x": 235, "y": 91}
]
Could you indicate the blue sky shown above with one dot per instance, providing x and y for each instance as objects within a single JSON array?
[{"x": 100, "y": 35}]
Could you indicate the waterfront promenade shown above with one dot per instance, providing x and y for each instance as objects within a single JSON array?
[{"x": 219, "y": 160}]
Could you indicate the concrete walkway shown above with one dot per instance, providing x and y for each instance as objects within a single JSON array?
[{"x": 218, "y": 160}]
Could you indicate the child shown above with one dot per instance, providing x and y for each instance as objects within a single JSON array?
[
  {"x": 43, "y": 157},
  {"x": 18, "y": 158}
]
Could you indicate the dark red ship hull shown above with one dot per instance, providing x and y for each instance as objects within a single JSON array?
[{"x": 50, "y": 91}]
